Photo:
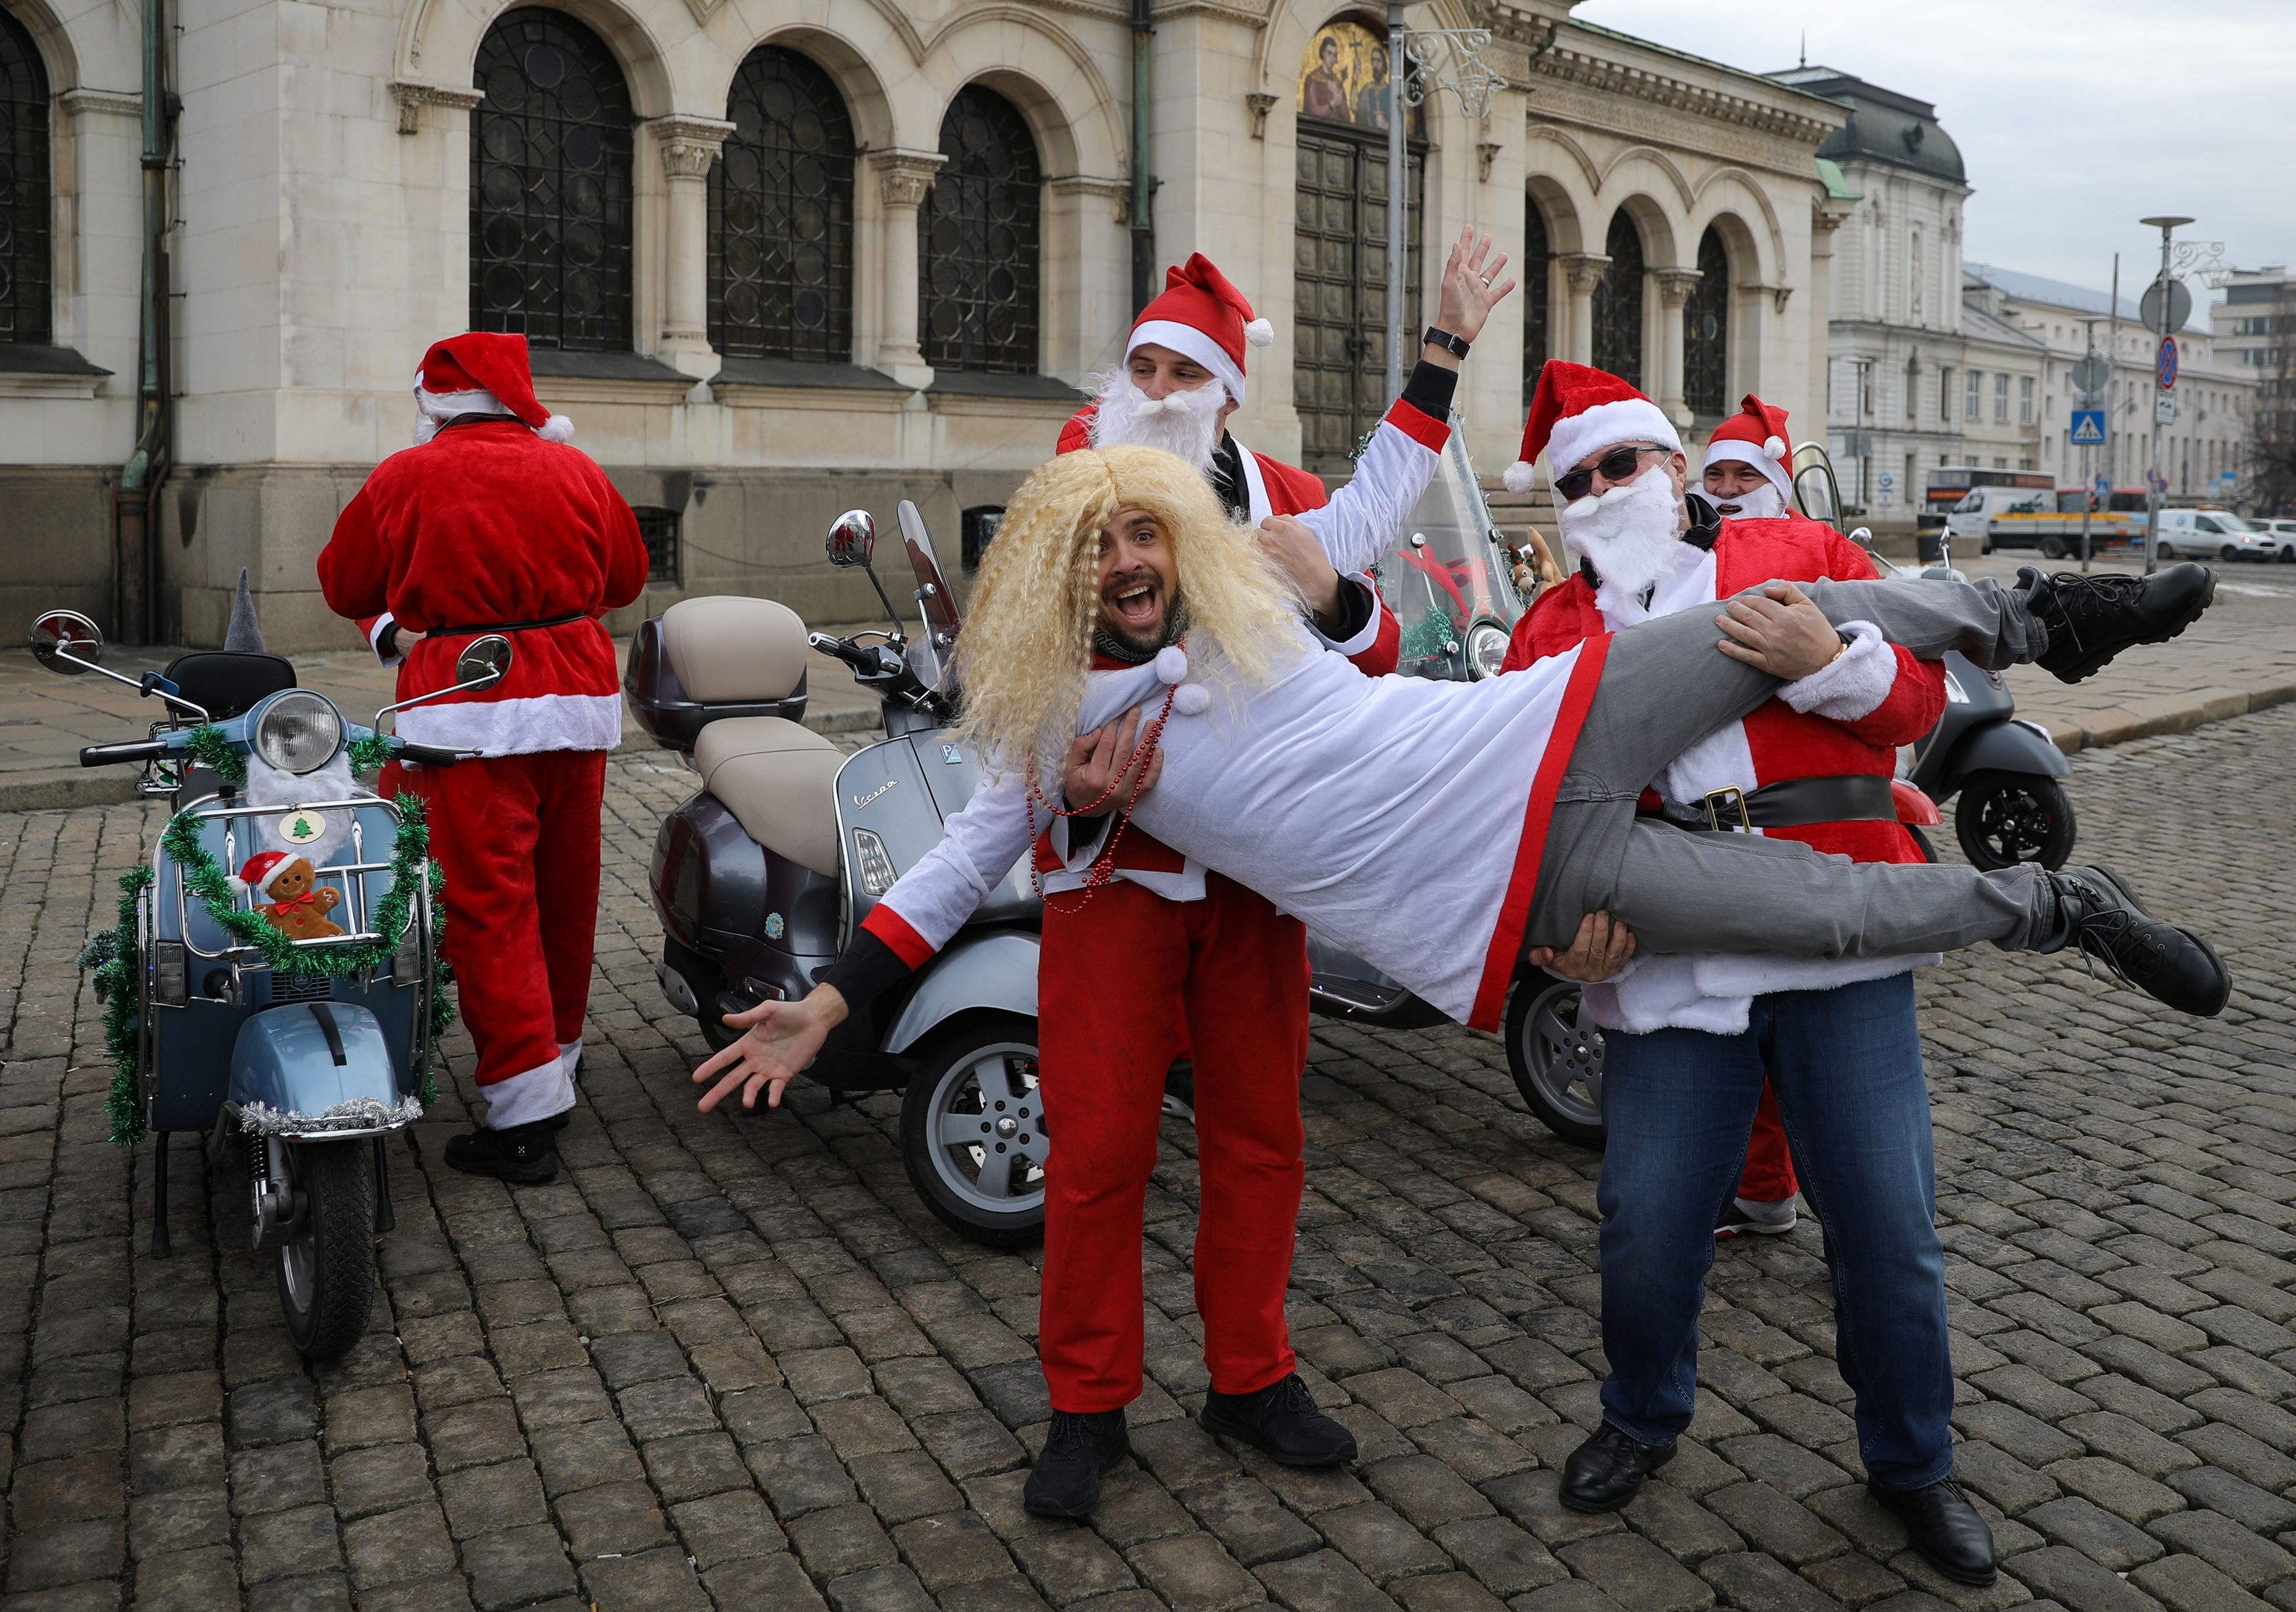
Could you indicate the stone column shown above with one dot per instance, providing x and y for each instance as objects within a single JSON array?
[
  {"x": 1674, "y": 288},
  {"x": 1582, "y": 272},
  {"x": 903, "y": 178},
  {"x": 689, "y": 145}
]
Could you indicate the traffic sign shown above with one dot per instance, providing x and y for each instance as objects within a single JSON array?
[
  {"x": 2164, "y": 409},
  {"x": 2164, "y": 364},
  {"x": 2091, "y": 374},
  {"x": 2088, "y": 426},
  {"x": 2103, "y": 488},
  {"x": 1888, "y": 479},
  {"x": 2180, "y": 305}
]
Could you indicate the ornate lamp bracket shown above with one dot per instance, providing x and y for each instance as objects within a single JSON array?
[{"x": 1448, "y": 59}]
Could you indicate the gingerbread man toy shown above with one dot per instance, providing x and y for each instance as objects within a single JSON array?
[{"x": 295, "y": 908}]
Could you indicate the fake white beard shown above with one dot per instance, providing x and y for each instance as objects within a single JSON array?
[
  {"x": 267, "y": 785},
  {"x": 1628, "y": 533},
  {"x": 1764, "y": 502},
  {"x": 1182, "y": 422}
]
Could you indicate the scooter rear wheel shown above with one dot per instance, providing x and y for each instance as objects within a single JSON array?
[
  {"x": 2004, "y": 819},
  {"x": 1556, "y": 1057},
  {"x": 972, "y": 1131},
  {"x": 326, "y": 1270}
]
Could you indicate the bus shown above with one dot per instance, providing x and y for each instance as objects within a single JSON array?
[{"x": 1948, "y": 484}]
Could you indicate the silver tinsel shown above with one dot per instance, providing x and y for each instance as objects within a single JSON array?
[{"x": 357, "y": 1114}]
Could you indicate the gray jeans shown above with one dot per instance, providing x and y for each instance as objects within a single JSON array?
[{"x": 1665, "y": 685}]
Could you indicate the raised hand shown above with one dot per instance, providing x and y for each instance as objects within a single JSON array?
[
  {"x": 1472, "y": 287},
  {"x": 779, "y": 1039},
  {"x": 1300, "y": 557},
  {"x": 1777, "y": 628},
  {"x": 1104, "y": 764}
]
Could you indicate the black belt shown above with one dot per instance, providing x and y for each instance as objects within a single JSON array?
[
  {"x": 485, "y": 627},
  {"x": 1862, "y": 797}
]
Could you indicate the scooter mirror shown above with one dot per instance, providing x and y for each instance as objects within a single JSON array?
[
  {"x": 66, "y": 641},
  {"x": 484, "y": 662},
  {"x": 852, "y": 538}
]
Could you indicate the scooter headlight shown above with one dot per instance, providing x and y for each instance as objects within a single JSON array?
[
  {"x": 1486, "y": 649},
  {"x": 299, "y": 733}
]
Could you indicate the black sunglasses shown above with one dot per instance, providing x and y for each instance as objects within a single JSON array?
[{"x": 1619, "y": 464}]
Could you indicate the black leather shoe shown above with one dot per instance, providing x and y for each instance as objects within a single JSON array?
[
  {"x": 2101, "y": 915},
  {"x": 1947, "y": 1531},
  {"x": 1606, "y": 1472},
  {"x": 2092, "y": 619},
  {"x": 1281, "y": 1420},
  {"x": 523, "y": 1153},
  {"x": 1078, "y": 1447}
]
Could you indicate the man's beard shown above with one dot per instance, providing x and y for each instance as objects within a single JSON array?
[
  {"x": 1761, "y": 503},
  {"x": 1628, "y": 533},
  {"x": 1182, "y": 422},
  {"x": 1126, "y": 641}
]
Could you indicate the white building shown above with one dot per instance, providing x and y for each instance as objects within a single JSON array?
[{"x": 778, "y": 258}]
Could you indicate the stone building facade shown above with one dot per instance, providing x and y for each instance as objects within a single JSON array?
[{"x": 780, "y": 257}]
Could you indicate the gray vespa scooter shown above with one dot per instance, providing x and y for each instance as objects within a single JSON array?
[
  {"x": 762, "y": 878},
  {"x": 311, "y": 1049}
]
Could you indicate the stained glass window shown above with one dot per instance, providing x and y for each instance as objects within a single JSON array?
[
  {"x": 977, "y": 240},
  {"x": 24, "y": 314},
  {"x": 781, "y": 215},
  {"x": 1618, "y": 303},
  {"x": 1706, "y": 332}
]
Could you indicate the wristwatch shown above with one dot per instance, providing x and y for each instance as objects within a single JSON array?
[{"x": 1435, "y": 336}]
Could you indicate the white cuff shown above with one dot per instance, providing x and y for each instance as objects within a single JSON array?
[
  {"x": 1853, "y": 684},
  {"x": 530, "y": 1095},
  {"x": 1369, "y": 633},
  {"x": 384, "y": 623}
]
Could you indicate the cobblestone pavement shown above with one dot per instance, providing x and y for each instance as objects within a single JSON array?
[{"x": 731, "y": 1362}]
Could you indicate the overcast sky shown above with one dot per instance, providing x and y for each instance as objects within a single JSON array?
[{"x": 2075, "y": 118}]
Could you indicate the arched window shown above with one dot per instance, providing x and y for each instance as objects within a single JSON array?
[
  {"x": 550, "y": 185},
  {"x": 1537, "y": 262},
  {"x": 1706, "y": 331},
  {"x": 781, "y": 215},
  {"x": 24, "y": 314},
  {"x": 1618, "y": 303},
  {"x": 977, "y": 240}
]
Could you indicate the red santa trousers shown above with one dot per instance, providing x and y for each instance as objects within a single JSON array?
[
  {"x": 1769, "y": 1175},
  {"x": 1128, "y": 978},
  {"x": 517, "y": 838}
]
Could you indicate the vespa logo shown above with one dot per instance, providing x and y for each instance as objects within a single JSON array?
[{"x": 862, "y": 799}]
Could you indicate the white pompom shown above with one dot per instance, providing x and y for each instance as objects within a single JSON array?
[
  {"x": 558, "y": 428},
  {"x": 240, "y": 888},
  {"x": 1259, "y": 333},
  {"x": 1191, "y": 700},
  {"x": 1519, "y": 477},
  {"x": 1774, "y": 448},
  {"x": 1171, "y": 663}
]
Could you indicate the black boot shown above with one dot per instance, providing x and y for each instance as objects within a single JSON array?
[
  {"x": 2100, "y": 914},
  {"x": 1078, "y": 1447},
  {"x": 1281, "y": 1420},
  {"x": 2090, "y": 620},
  {"x": 1606, "y": 1472},
  {"x": 1943, "y": 1529},
  {"x": 524, "y": 1154}
]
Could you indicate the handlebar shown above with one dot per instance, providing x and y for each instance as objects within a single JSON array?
[
  {"x": 138, "y": 750},
  {"x": 429, "y": 755}
]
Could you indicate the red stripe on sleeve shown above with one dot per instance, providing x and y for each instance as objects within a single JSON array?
[
  {"x": 1514, "y": 912},
  {"x": 1430, "y": 432},
  {"x": 902, "y": 941}
]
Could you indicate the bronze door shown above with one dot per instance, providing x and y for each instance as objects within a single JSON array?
[{"x": 1340, "y": 288}]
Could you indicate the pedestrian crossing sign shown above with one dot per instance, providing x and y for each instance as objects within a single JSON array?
[{"x": 2088, "y": 427}]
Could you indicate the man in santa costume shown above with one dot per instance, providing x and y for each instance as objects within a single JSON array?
[
  {"x": 1700, "y": 1044},
  {"x": 492, "y": 523}
]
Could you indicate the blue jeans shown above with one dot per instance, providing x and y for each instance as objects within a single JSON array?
[{"x": 1678, "y": 1105}]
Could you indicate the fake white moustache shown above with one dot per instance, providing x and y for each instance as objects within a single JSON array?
[
  {"x": 1184, "y": 422},
  {"x": 1763, "y": 503},
  {"x": 1628, "y": 533}
]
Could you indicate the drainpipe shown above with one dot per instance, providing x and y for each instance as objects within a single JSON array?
[
  {"x": 136, "y": 505},
  {"x": 1143, "y": 240}
]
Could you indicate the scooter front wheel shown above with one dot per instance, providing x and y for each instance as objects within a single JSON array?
[
  {"x": 972, "y": 1131},
  {"x": 327, "y": 1268},
  {"x": 2004, "y": 819}
]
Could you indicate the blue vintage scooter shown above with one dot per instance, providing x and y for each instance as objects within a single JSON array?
[{"x": 310, "y": 1048}]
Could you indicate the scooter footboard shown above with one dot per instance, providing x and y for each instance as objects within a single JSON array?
[{"x": 316, "y": 1069}]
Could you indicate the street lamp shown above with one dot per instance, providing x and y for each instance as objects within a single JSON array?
[{"x": 2163, "y": 296}]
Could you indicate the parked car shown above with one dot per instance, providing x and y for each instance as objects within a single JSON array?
[
  {"x": 2281, "y": 533},
  {"x": 2214, "y": 534}
]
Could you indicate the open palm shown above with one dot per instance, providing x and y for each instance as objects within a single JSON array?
[{"x": 779, "y": 1039}]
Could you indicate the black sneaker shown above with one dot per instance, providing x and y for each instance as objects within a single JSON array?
[
  {"x": 1180, "y": 1091},
  {"x": 1078, "y": 1447},
  {"x": 2090, "y": 620},
  {"x": 1281, "y": 1419},
  {"x": 523, "y": 1153},
  {"x": 1733, "y": 1222},
  {"x": 2101, "y": 915}
]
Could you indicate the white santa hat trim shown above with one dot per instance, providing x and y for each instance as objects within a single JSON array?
[
  {"x": 1192, "y": 343},
  {"x": 1765, "y": 458},
  {"x": 1604, "y": 425}
]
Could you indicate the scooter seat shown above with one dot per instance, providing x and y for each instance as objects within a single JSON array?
[{"x": 779, "y": 779}]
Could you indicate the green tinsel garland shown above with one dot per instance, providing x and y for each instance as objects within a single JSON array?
[
  {"x": 118, "y": 981},
  {"x": 1424, "y": 639},
  {"x": 207, "y": 746},
  {"x": 369, "y": 754}
]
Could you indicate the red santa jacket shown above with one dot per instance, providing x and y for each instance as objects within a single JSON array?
[
  {"x": 488, "y": 523},
  {"x": 1784, "y": 743}
]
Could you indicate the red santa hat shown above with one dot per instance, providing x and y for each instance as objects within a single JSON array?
[
  {"x": 1200, "y": 315},
  {"x": 1576, "y": 409},
  {"x": 485, "y": 371},
  {"x": 1755, "y": 435},
  {"x": 261, "y": 869}
]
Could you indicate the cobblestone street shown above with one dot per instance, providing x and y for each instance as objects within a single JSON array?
[{"x": 732, "y": 1361}]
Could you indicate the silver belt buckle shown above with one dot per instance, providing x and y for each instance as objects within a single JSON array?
[{"x": 1718, "y": 801}]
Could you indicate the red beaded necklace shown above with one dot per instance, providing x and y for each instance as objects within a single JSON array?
[{"x": 1103, "y": 866}]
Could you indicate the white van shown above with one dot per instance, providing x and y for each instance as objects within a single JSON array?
[{"x": 2213, "y": 534}]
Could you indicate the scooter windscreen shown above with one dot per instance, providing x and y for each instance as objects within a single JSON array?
[
  {"x": 1448, "y": 581},
  {"x": 936, "y": 605}
]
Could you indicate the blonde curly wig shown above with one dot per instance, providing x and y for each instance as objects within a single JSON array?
[{"x": 1027, "y": 641}]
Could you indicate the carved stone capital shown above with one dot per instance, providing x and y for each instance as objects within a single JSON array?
[
  {"x": 1260, "y": 104},
  {"x": 1117, "y": 192},
  {"x": 689, "y": 145},
  {"x": 112, "y": 102},
  {"x": 1676, "y": 285},
  {"x": 904, "y": 177},
  {"x": 1583, "y": 271},
  {"x": 412, "y": 96}
]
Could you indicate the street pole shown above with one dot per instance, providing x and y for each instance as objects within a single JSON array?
[
  {"x": 2153, "y": 499},
  {"x": 1398, "y": 186},
  {"x": 2112, "y": 374},
  {"x": 2088, "y": 484}
]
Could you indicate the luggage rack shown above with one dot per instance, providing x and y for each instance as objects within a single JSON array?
[{"x": 353, "y": 889}]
